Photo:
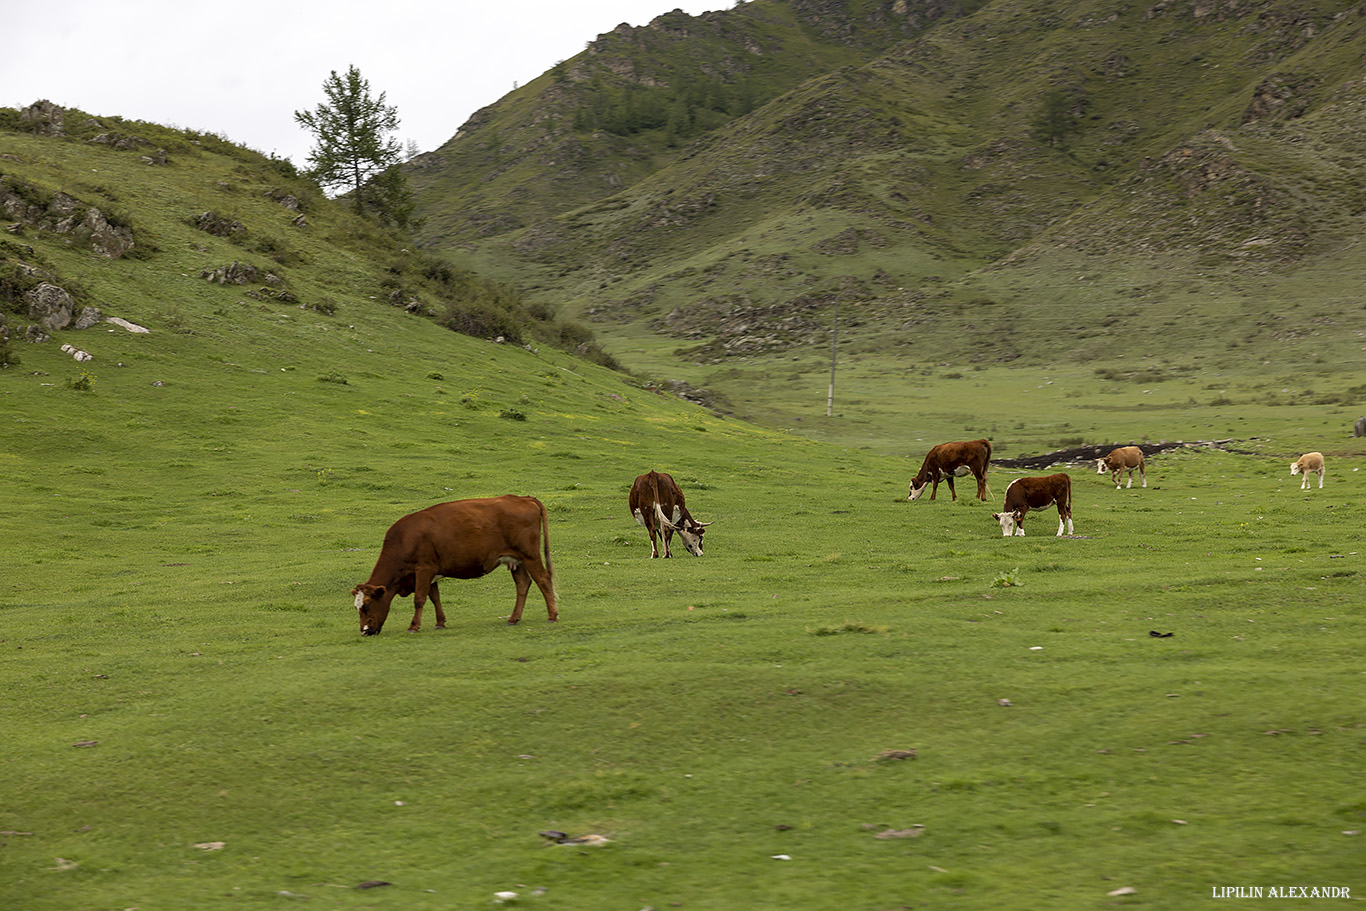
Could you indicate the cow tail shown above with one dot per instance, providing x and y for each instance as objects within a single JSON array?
[
  {"x": 986, "y": 467},
  {"x": 545, "y": 548}
]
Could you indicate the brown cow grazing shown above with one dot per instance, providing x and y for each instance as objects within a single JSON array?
[
  {"x": 658, "y": 506},
  {"x": 949, "y": 460},
  {"x": 1307, "y": 464},
  {"x": 1125, "y": 458},
  {"x": 465, "y": 539},
  {"x": 1024, "y": 494}
]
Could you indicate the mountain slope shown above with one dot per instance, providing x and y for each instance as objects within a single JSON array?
[{"x": 1199, "y": 143}]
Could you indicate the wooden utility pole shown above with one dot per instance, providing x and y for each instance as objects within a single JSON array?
[{"x": 834, "y": 354}]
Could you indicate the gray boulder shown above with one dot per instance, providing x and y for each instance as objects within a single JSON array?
[
  {"x": 88, "y": 317},
  {"x": 51, "y": 306}
]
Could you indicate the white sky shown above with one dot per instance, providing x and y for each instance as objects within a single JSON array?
[{"x": 242, "y": 68}]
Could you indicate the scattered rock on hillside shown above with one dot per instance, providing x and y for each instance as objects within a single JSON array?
[
  {"x": 88, "y": 317},
  {"x": 83, "y": 224},
  {"x": 235, "y": 274},
  {"x": 218, "y": 225},
  {"x": 47, "y": 118},
  {"x": 51, "y": 306},
  {"x": 1285, "y": 95}
]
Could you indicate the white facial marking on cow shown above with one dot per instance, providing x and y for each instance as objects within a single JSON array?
[
  {"x": 360, "y": 601},
  {"x": 1007, "y": 521},
  {"x": 917, "y": 491},
  {"x": 1100, "y": 466},
  {"x": 692, "y": 542}
]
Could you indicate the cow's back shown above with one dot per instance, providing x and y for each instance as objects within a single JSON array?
[
  {"x": 655, "y": 486},
  {"x": 1125, "y": 457},
  {"x": 465, "y": 538}
]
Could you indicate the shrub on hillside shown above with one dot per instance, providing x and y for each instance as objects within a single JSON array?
[{"x": 480, "y": 320}]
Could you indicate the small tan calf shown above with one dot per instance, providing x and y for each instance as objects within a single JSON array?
[
  {"x": 1125, "y": 458},
  {"x": 1307, "y": 464}
]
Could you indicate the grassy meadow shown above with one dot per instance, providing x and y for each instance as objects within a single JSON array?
[{"x": 192, "y": 719}]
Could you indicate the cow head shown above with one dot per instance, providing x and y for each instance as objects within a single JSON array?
[
  {"x": 1102, "y": 466},
  {"x": 688, "y": 528},
  {"x": 372, "y": 606},
  {"x": 917, "y": 489},
  {"x": 1294, "y": 468},
  {"x": 1011, "y": 522}
]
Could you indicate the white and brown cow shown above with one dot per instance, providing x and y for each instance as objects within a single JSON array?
[
  {"x": 949, "y": 460},
  {"x": 657, "y": 504},
  {"x": 464, "y": 539},
  {"x": 1125, "y": 458},
  {"x": 1307, "y": 464},
  {"x": 1025, "y": 494}
]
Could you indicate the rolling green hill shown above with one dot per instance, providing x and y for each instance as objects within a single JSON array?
[{"x": 1197, "y": 194}]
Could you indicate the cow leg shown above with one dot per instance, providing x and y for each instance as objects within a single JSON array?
[
  {"x": 654, "y": 545},
  {"x": 1320, "y": 479},
  {"x": 667, "y": 534},
  {"x": 1131, "y": 479},
  {"x": 546, "y": 583},
  {"x": 1142, "y": 473},
  {"x": 935, "y": 489},
  {"x": 436, "y": 602},
  {"x": 522, "y": 579},
  {"x": 421, "y": 586},
  {"x": 982, "y": 487},
  {"x": 949, "y": 478}
]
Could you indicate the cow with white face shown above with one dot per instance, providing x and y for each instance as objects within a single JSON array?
[
  {"x": 947, "y": 461},
  {"x": 1125, "y": 458},
  {"x": 657, "y": 504},
  {"x": 1024, "y": 494},
  {"x": 1307, "y": 464}
]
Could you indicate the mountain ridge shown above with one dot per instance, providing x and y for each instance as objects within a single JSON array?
[{"x": 1219, "y": 134}]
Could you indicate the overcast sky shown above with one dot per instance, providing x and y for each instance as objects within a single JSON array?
[{"x": 241, "y": 69}]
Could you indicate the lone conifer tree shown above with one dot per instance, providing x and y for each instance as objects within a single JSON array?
[{"x": 351, "y": 131}]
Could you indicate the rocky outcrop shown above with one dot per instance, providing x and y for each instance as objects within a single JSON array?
[
  {"x": 83, "y": 225},
  {"x": 50, "y": 306},
  {"x": 1284, "y": 95},
  {"x": 44, "y": 118},
  {"x": 218, "y": 225},
  {"x": 235, "y": 274}
]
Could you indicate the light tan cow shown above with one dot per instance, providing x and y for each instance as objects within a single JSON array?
[
  {"x": 1125, "y": 458},
  {"x": 1307, "y": 464}
]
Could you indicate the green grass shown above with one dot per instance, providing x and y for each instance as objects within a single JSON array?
[
  {"x": 182, "y": 519},
  {"x": 179, "y": 559}
]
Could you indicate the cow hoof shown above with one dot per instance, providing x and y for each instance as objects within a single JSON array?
[
  {"x": 441, "y": 626},
  {"x": 513, "y": 622}
]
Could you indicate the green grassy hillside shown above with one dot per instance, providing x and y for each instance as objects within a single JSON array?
[
  {"x": 851, "y": 701},
  {"x": 1199, "y": 205}
]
